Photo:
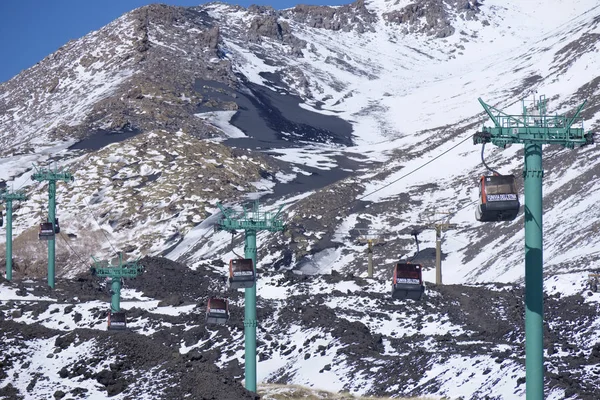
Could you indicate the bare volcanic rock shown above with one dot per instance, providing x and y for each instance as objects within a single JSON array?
[
  {"x": 346, "y": 18},
  {"x": 432, "y": 17}
]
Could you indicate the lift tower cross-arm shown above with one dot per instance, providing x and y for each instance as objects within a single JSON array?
[
  {"x": 371, "y": 238},
  {"x": 104, "y": 269}
]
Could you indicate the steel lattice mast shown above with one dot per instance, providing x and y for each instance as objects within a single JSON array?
[
  {"x": 533, "y": 130},
  {"x": 250, "y": 221},
  {"x": 52, "y": 176},
  {"x": 8, "y": 198},
  {"x": 104, "y": 269}
]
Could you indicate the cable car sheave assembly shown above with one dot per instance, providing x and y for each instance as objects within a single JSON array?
[
  {"x": 242, "y": 274},
  {"x": 129, "y": 269},
  {"x": 8, "y": 198},
  {"x": 532, "y": 129}
]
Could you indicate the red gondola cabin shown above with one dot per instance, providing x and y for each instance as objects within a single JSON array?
[
  {"x": 498, "y": 199},
  {"x": 117, "y": 321},
  {"x": 241, "y": 273},
  {"x": 46, "y": 231},
  {"x": 407, "y": 282},
  {"x": 217, "y": 311}
]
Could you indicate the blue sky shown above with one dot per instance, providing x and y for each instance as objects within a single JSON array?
[{"x": 32, "y": 29}]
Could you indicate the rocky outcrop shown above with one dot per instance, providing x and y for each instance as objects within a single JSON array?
[
  {"x": 268, "y": 25},
  {"x": 432, "y": 17},
  {"x": 351, "y": 17}
]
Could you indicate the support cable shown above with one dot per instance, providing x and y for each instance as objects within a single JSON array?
[
  {"x": 416, "y": 235},
  {"x": 73, "y": 250},
  {"x": 99, "y": 226},
  {"x": 483, "y": 161},
  {"x": 233, "y": 248},
  {"x": 403, "y": 176}
]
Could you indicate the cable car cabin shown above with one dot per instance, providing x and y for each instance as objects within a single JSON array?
[
  {"x": 56, "y": 226},
  {"x": 407, "y": 282},
  {"x": 498, "y": 199},
  {"x": 46, "y": 231},
  {"x": 117, "y": 321},
  {"x": 217, "y": 311},
  {"x": 1, "y": 219},
  {"x": 241, "y": 273}
]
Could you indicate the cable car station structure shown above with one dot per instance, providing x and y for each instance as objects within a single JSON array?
[
  {"x": 533, "y": 130},
  {"x": 251, "y": 222}
]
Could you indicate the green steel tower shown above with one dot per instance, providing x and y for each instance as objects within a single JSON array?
[
  {"x": 104, "y": 269},
  {"x": 251, "y": 221},
  {"x": 533, "y": 129},
  {"x": 52, "y": 176},
  {"x": 8, "y": 198}
]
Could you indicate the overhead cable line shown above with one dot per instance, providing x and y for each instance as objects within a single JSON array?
[
  {"x": 370, "y": 193},
  {"x": 403, "y": 176},
  {"x": 99, "y": 226},
  {"x": 73, "y": 250}
]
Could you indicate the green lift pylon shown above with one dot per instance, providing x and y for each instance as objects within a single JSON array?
[
  {"x": 46, "y": 174},
  {"x": 8, "y": 198},
  {"x": 533, "y": 129},
  {"x": 104, "y": 269},
  {"x": 251, "y": 221}
]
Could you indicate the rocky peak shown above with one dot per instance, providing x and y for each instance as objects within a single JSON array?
[
  {"x": 432, "y": 17},
  {"x": 345, "y": 18},
  {"x": 121, "y": 77}
]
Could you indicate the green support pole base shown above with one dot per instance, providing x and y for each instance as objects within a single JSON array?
[
  {"x": 534, "y": 277},
  {"x": 250, "y": 355},
  {"x": 115, "y": 300},
  {"x": 9, "y": 240},
  {"x": 51, "y": 243},
  {"x": 51, "y": 250},
  {"x": 250, "y": 321}
]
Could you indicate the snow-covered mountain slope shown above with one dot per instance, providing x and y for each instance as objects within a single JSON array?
[
  {"x": 353, "y": 117},
  {"x": 332, "y": 332},
  {"x": 422, "y": 103},
  {"x": 408, "y": 91}
]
